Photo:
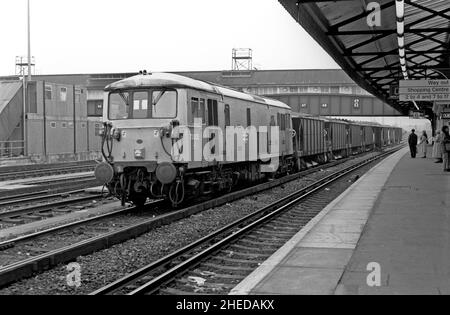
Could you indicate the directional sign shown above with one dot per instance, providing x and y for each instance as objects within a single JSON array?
[{"x": 424, "y": 90}]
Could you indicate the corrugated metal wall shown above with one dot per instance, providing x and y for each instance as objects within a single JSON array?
[{"x": 58, "y": 125}]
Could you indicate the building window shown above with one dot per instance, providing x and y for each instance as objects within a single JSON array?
[
  {"x": 48, "y": 92},
  {"x": 303, "y": 89},
  {"x": 63, "y": 125},
  {"x": 284, "y": 89},
  {"x": 63, "y": 94},
  {"x": 249, "y": 117},
  {"x": 53, "y": 124},
  {"x": 95, "y": 108},
  {"x": 77, "y": 96},
  {"x": 314, "y": 89},
  {"x": 345, "y": 90}
]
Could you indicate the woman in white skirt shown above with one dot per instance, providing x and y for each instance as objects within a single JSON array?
[
  {"x": 437, "y": 148},
  {"x": 423, "y": 144}
]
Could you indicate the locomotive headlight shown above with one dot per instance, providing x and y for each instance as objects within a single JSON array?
[{"x": 139, "y": 154}]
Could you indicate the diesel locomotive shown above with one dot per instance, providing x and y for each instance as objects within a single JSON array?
[{"x": 172, "y": 137}]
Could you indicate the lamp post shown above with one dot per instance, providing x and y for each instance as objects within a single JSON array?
[
  {"x": 25, "y": 83},
  {"x": 29, "y": 41}
]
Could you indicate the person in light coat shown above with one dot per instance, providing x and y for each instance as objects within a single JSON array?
[
  {"x": 437, "y": 149},
  {"x": 423, "y": 144}
]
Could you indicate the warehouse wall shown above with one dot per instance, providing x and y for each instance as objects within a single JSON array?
[{"x": 58, "y": 124}]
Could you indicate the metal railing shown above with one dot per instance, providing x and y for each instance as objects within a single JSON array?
[{"x": 11, "y": 149}]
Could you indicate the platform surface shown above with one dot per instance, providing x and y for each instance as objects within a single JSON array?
[{"x": 396, "y": 216}]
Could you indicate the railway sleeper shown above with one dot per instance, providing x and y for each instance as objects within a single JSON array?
[
  {"x": 236, "y": 261},
  {"x": 213, "y": 286},
  {"x": 233, "y": 269},
  {"x": 222, "y": 276}
]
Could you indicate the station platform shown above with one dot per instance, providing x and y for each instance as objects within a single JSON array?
[{"x": 389, "y": 233}]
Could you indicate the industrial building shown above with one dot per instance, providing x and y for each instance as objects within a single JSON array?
[{"x": 57, "y": 126}]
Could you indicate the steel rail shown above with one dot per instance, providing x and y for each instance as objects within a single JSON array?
[
  {"x": 46, "y": 207},
  {"x": 38, "y": 197}
]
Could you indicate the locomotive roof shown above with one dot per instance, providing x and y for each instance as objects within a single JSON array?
[{"x": 174, "y": 80}]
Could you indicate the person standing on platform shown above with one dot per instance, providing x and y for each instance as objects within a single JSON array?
[
  {"x": 412, "y": 141},
  {"x": 445, "y": 147},
  {"x": 437, "y": 150},
  {"x": 423, "y": 144}
]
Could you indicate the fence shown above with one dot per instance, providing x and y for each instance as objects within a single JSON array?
[{"x": 10, "y": 149}]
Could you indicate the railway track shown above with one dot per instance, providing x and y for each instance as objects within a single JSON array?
[
  {"x": 35, "y": 212},
  {"x": 122, "y": 232},
  {"x": 48, "y": 186},
  {"x": 45, "y": 172},
  {"x": 217, "y": 262}
]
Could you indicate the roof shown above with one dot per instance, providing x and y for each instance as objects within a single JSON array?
[
  {"x": 370, "y": 54},
  {"x": 228, "y": 78},
  {"x": 175, "y": 80}
]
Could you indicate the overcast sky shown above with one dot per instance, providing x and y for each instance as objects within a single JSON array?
[{"x": 78, "y": 36}]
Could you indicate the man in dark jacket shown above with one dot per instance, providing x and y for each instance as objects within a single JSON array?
[{"x": 412, "y": 141}]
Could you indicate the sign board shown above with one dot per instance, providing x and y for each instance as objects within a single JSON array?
[
  {"x": 424, "y": 90},
  {"x": 445, "y": 116}
]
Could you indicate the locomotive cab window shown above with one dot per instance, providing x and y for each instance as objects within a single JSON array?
[
  {"x": 164, "y": 104},
  {"x": 158, "y": 104},
  {"x": 198, "y": 109},
  {"x": 119, "y": 105},
  {"x": 140, "y": 105},
  {"x": 213, "y": 117},
  {"x": 227, "y": 115}
]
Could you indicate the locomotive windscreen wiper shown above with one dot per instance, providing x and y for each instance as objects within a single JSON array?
[
  {"x": 124, "y": 98},
  {"x": 158, "y": 98}
]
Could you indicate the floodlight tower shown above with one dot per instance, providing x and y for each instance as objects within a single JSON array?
[{"x": 242, "y": 59}]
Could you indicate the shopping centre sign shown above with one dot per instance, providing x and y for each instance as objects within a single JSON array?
[{"x": 424, "y": 90}]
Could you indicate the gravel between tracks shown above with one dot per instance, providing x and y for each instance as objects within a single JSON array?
[{"x": 108, "y": 265}]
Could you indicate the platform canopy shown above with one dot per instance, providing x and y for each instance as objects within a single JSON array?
[{"x": 369, "y": 53}]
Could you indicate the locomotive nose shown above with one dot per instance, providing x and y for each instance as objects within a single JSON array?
[{"x": 104, "y": 173}]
